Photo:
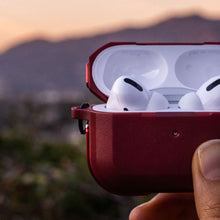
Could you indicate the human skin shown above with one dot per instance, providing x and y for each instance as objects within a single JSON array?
[{"x": 203, "y": 204}]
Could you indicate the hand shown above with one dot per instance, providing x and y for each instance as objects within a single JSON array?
[{"x": 204, "y": 204}]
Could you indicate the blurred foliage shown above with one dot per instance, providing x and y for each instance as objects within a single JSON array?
[
  {"x": 52, "y": 181},
  {"x": 48, "y": 178}
]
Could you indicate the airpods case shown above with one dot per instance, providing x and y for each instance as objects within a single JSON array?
[{"x": 137, "y": 152}]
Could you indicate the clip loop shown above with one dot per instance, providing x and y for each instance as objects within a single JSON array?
[{"x": 82, "y": 127}]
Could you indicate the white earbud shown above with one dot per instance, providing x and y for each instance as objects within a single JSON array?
[
  {"x": 207, "y": 97},
  {"x": 190, "y": 101},
  {"x": 128, "y": 94}
]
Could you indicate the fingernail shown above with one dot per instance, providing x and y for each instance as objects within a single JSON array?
[{"x": 209, "y": 159}]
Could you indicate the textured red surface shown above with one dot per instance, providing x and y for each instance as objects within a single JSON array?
[{"x": 138, "y": 153}]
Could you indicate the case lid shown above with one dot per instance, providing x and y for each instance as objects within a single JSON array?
[{"x": 171, "y": 69}]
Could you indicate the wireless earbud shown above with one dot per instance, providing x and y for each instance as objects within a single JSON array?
[
  {"x": 128, "y": 94},
  {"x": 190, "y": 101},
  {"x": 207, "y": 97}
]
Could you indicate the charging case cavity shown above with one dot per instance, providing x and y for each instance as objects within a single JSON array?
[{"x": 172, "y": 70}]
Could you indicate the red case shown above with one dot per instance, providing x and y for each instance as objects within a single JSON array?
[{"x": 134, "y": 153}]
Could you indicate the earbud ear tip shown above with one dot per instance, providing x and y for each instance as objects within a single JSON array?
[
  {"x": 113, "y": 102},
  {"x": 157, "y": 102},
  {"x": 190, "y": 101}
]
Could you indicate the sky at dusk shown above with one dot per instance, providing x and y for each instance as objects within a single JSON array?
[{"x": 57, "y": 19}]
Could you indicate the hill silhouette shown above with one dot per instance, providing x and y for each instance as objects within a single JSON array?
[{"x": 40, "y": 65}]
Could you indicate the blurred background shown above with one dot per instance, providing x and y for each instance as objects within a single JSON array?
[{"x": 44, "y": 47}]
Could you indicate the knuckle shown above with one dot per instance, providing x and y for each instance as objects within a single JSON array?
[
  {"x": 134, "y": 214},
  {"x": 211, "y": 212}
]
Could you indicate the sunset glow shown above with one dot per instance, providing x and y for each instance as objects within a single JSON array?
[{"x": 55, "y": 19}]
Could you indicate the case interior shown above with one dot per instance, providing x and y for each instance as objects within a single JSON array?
[{"x": 172, "y": 70}]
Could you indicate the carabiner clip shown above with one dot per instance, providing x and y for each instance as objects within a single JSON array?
[{"x": 81, "y": 123}]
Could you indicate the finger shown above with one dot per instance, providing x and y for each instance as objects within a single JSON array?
[
  {"x": 167, "y": 206},
  {"x": 206, "y": 180}
]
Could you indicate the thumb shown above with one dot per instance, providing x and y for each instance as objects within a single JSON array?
[{"x": 206, "y": 180}]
